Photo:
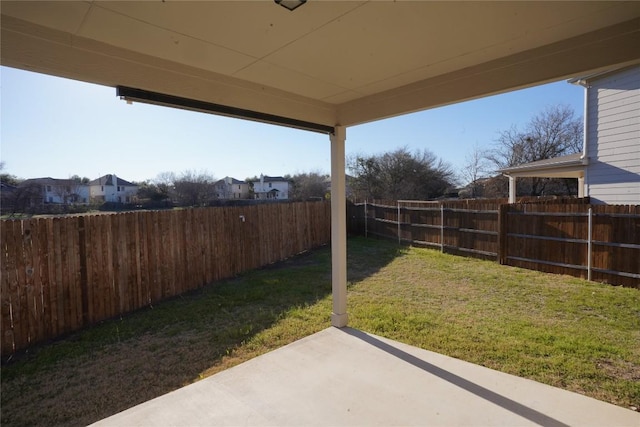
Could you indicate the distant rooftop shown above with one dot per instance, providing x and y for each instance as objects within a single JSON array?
[{"x": 108, "y": 180}]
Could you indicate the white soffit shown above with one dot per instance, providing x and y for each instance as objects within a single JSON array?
[{"x": 329, "y": 62}]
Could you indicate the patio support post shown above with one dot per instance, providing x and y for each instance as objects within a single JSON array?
[
  {"x": 581, "y": 187},
  {"x": 338, "y": 229},
  {"x": 512, "y": 189}
]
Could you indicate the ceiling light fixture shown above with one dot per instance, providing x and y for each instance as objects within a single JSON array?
[{"x": 291, "y": 4}]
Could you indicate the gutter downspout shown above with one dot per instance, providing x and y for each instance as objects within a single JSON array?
[
  {"x": 512, "y": 189},
  {"x": 585, "y": 119},
  {"x": 584, "y": 159}
]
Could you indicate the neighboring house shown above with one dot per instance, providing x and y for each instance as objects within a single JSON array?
[
  {"x": 271, "y": 187},
  {"x": 231, "y": 188},
  {"x": 110, "y": 188},
  {"x": 55, "y": 191},
  {"x": 608, "y": 169},
  {"x": 7, "y": 197}
]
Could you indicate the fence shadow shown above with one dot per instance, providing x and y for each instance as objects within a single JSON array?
[
  {"x": 109, "y": 367},
  {"x": 504, "y": 402}
]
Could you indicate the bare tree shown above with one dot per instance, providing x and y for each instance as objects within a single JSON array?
[
  {"x": 67, "y": 190},
  {"x": 476, "y": 167},
  {"x": 6, "y": 178},
  {"x": 79, "y": 180},
  {"x": 309, "y": 185},
  {"x": 164, "y": 184},
  {"x": 149, "y": 191},
  {"x": 25, "y": 198},
  {"x": 194, "y": 188},
  {"x": 401, "y": 174},
  {"x": 554, "y": 132}
]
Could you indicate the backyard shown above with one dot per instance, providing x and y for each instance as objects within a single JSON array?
[{"x": 577, "y": 335}]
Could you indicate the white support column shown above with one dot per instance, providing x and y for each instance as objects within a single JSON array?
[
  {"x": 338, "y": 229},
  {"x": 581, "y": 186},
  {"x": 512, "y": 189}
]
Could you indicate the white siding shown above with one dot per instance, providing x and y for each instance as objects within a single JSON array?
[
  {"x": 613, "y": 138},
  {"x": 265, "y": 190}
]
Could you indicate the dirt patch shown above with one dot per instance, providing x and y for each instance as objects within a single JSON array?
[{"x": 620, "y": 369}]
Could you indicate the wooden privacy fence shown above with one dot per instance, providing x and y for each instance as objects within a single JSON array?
[
  {"x": 460, "y": 227},
  {"x": 567, "y": 236},
  {"x": 60, "y": 274},
  {"x": 595, "y": 242}
]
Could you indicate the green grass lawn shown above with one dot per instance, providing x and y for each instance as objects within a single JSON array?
[{"x": 573, "y": 334}]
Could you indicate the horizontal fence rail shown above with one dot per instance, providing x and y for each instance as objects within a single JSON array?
[
  {"x": 566, "y": 236},
  {"x": 60, "y": 274},
  {"x": 469, "y": 227},
  {"x": 595, "y": 242}
]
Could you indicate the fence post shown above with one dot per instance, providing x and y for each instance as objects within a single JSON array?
[
  {"x": 441, "y": 227},
  {"x": 589, "y": 244},
  {"x": 399, "y": 231},
  {"x": 82, "y": 241},
  {"x": 502, "y": 233},
  {"x": 366, "y": 229}
]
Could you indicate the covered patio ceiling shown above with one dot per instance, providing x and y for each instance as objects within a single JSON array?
[{"x": 328, "y": 62}]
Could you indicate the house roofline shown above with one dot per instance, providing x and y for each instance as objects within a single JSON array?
[
  {"x": 584, "y": 80},
  {"x": 570, "y": 166}
]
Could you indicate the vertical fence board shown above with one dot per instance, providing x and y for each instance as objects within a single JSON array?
[
  {"x": 69, "y": 272},
  {"x": 42, "y": 272},
  {"x": 208, "y": 251},
  {"x": 47, "y": 229},
  {"x": 33, "y": 265},
  {"x": 154, "y": 242},
  {"x": 22, "y": 286},
  {"x": 142, "y": 266},
  {"x": 26, "y": 279},
  {"x": 76, "y": 272},
  {"x": 59, "y": 252},
  {"x": 166, "y": 273},
  {"x": 87, "y": 286},
  {"x": 98, "y": 267},
  {"x": 9, "y": 288}
]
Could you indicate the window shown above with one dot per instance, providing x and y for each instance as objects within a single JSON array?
[
  {"x": 269, "y": 185},
  {"x": 102, "y": 188},
  {"x": 48, "y": 188}
]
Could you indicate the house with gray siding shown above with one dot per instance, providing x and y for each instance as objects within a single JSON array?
[
  {"x": 608, "y": 169},
  {"x": 612, "y": 133}
]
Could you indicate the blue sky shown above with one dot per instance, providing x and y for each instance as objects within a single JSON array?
[{"x": 58, "y": 127}]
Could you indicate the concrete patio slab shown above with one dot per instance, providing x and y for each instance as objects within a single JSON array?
[{"x": 345, "y": 377}]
